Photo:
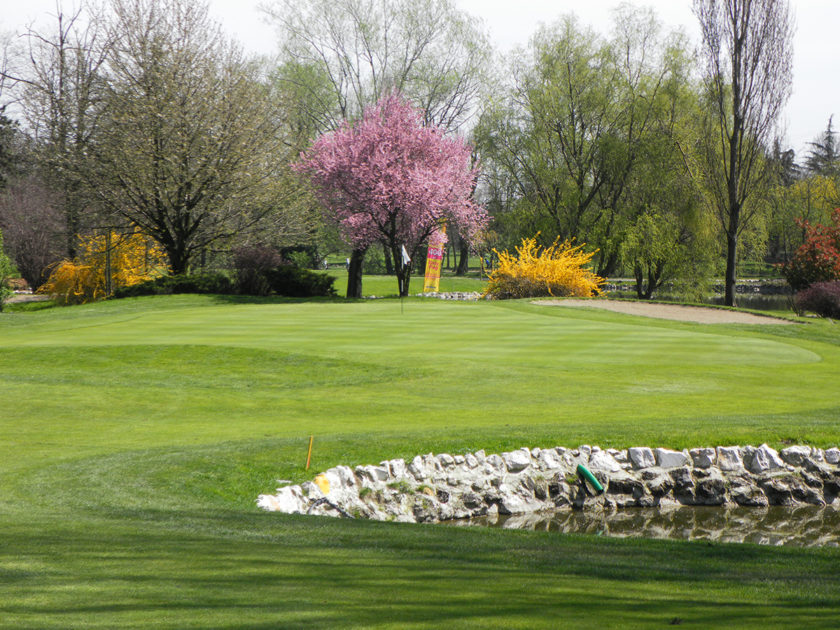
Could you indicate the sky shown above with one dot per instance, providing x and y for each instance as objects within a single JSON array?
[{"x": 510, "y": 23}]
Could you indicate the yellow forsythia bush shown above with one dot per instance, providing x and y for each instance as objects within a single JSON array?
[
  {"x": 539, "y": 272},
  {"x": 134, "y": 258}
]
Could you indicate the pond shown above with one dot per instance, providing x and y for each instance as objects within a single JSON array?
[{"x": 807, "y": 526}]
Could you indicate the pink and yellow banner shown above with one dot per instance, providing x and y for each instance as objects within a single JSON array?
[{"x": 434, "y": 259}]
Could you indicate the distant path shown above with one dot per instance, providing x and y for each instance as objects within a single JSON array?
[
  {"x": 698, "y": 314},
  {"x": 27, "y": 297}
]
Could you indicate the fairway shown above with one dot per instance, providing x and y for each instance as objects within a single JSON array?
[{"x": 136, "y": 435}]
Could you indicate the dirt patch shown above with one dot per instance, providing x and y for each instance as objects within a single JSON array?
[{"x": 698, "y": 314}]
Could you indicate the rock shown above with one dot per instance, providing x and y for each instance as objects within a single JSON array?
[
  {"x": 584, "y": 452},
  {"x": 670, "y": 459},
  {"x": 832, "y": 455},
  {"x": 426, "y": 509},
  {"x": 517, "y": 460},
  {"x": 745, "y": 493},
  {"x": 641, "y": 457},
  {"x": 703, "y": 457},
  {"x": 459, "y": 460},
  {"x": 626, "y": 485},
  {"x": 603, "y": 461},
  {"x": 471, "y": 500},
  {"x": 480, "y": 456},
  {"x": 795, "y": 455},
  {"x": 711, "y": 490},
  {"x": 660, "y": 485},
  {"x": 682, "y": 479},
  {"x": 494, "y": 462},
  {"x": 763, "y": 459},
  {"x": 470, "y": 460},
  {"x": 729, "y": 458},
  {"x": 535, "y": 452},
  {"x": 619, "y": 456},
  {"x": 417, "y": 468},
  {"x": 778, "y": 490},
  {"x": 289, "y": 500},
  {"x": 445, "y": 460},
  {"x": 549, "y": 460}
]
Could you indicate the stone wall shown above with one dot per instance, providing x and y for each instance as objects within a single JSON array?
[{"x": 433, "y": 488}]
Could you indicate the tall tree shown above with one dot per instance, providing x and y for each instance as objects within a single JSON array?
[
  {"x": 747, "y": 45},
  {"x": 191, "y": 152},
  {"x": 824, "y": 156},
  {"x": 59, "y": 80},
  {"x": 341, "y": 56},
  {"x": 5, "y": 273},
  {"x": 388, "y": 178},
  {"x": 427, "y": 50},
  {"x": 572, "y": 130}
]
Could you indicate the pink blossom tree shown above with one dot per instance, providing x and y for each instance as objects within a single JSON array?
[{"x": 387, "y": 178}]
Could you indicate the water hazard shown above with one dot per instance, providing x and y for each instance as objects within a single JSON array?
[{"x": 807, "y": 526}]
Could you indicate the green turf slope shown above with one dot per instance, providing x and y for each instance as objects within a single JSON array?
[{"x": 135, "y": 436}]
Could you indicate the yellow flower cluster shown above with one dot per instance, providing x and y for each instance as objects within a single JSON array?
[
  {"x": 130, "y": 258},
  {"x": 539, "y": 272}
]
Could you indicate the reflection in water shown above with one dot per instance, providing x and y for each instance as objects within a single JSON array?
[{"x": 807, "y": 526}]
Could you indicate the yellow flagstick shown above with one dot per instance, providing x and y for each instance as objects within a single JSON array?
[{"x": 309, "y": 454}]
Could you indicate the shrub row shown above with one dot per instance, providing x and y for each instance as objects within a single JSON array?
[{"x": 287, "y": 280}]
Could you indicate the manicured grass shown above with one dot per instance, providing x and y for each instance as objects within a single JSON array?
[
  {"x": 136, "y": 434},
  {"x": 382, "y": 286}
]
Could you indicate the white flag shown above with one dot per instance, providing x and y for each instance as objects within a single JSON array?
[{"x": 405, "y": 257}]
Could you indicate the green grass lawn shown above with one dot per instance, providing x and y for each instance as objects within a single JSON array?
[
  {"x": 136, "y": 434},
  {"x": 382, "y": 286}
]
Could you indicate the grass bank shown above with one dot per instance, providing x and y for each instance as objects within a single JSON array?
[{"x": 136, "y": 435}]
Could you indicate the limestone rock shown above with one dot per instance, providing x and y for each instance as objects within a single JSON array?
[
  {"x": 289, "y": 500},
  {"x": 703, "y": 457},
  {"x": 763, "y": 459},
  {"x": 641, "y": 457},
  {"x": 670, "y": 459},
  {"x": 445, "y": 460},
  {"x": 417, "y": 468},
  {"x": 603, "y": 461},
  {"x": 795, "y": 455},
  {"x": 711, "y": 489},
  {"x": 549, "y": 460},
  {"x": 832, "y": 455},
  {"x": 495, "y": 462},
  {"x": 729, "y": 458},
  {"x": 517, "y": 460}
]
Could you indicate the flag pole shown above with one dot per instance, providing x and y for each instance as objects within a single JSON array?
[{"x": 406, "y": 261}]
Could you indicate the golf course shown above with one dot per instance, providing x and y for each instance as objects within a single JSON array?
[{"x": 136, "y": 435}]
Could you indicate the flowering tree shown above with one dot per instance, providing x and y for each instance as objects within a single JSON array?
[{"x": 386, "y": 178}]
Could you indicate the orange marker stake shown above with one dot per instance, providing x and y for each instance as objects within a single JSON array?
[{"x": 309, "y": 454}]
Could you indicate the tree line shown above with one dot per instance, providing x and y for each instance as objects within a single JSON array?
[{"x": 141, "y": 114}]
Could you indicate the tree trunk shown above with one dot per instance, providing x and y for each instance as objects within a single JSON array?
[
  {"x": 464, "y": 259},
  {"x": 389, "y": 263},
  {"x": 109, "y": 287},
  {"x": 354, "y": 274},
  {"x": 178, "y": 259},
  {"x": 729, "y": 281}
]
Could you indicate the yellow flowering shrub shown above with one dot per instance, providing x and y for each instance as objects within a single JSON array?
[
  {"x": 134, "y": 258},
  {"x": 540, "y": 272}
]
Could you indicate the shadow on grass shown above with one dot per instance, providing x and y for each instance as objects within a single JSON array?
[{"x": 254, "y": 570}]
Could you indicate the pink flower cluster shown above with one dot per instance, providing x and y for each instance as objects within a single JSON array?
[{"x": 387, "y": 178}]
